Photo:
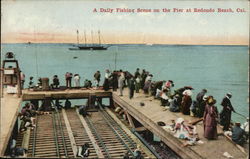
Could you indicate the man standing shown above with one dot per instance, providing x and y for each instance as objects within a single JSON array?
[
  {"x": 121, "y": 82},
  {"x": 77, "y": 80},
  {"x": 199, "y": 102},
  {"x": 137, "y": 73},
  {"x": 131, "y": 87},
  {"x": 106, "y": 80},
  {"x": 97, "y": 77},
  {"x": 22, "y": 76},
  {"x": 68, "y": 77},
  {"x": 225, "y": 115}
]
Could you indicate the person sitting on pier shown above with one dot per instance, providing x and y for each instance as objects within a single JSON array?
[
  {"x": 83, "y": 110},
  {"x": 138, "y": 153},
  {"x": 16, "y": 151},
  {"x": 83, "y": 151},
  {"x": 58, "y": 104},
  {"x": 181, "y": 130},
  {"x": 186, "y": 102},
  {"x": 164, "y": 98},
  {"x": 245, "y": 127},
  {"x": 191, "y": 140},
  {"x": 168, "y": 85},
  {"x": 56, "y": 82},
  {"x": 225, "y": 114},
  {"x": 210, "y": 119},
  {"x": 87, "y": 84},
  {"x": 67, "y": 104},
  {"x": 77, "y": 80},
  {"x": 31, "y": 83},
  {"x": 174, "y": 107},
  {"x": 238, "y": 134}
]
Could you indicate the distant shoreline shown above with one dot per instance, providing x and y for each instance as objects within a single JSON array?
[{"x": 131, "y": 44}]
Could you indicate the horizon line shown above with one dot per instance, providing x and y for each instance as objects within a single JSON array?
[{"x": 120, "y": 43}]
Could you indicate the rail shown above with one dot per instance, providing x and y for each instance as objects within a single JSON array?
[
  {"x": 61, "y": 132},
  {"x": 108, "y": 119},
  {"x": 34, "y": 139},
  {"x": 91, "y": 126}
]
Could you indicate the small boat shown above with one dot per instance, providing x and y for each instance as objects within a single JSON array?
[{"x": 88, "y": 47}]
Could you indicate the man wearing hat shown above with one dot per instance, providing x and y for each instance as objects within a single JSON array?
[
  {"x": 238, "y": 134},
  {"x": 225, "y": 115}
]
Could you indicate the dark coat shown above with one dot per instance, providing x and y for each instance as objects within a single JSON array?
[
  {"x": 225, "y": 115},
  {"x": 185, "y": 104}
]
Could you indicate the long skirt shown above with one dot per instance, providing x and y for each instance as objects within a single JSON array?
[
  {"x": 210, "y": 132},
  {"x": 106, "y": 84}
]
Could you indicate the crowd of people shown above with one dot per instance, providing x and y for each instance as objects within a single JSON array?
[{"x": 178, "y": 100}]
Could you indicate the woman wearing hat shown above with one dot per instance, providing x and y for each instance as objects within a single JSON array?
[{"x": 210, "y": 119}]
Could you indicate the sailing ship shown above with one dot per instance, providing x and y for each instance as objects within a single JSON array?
[{"x": 88, "y": 46}]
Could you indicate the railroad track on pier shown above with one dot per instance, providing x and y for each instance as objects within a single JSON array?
[
  {"x": 112, "y": 139},
  {"x": 58, "y": 135},
  {"x": 50, "y": 137}
]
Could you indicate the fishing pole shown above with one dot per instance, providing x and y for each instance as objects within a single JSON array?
[{"x": 240, "y": 114}]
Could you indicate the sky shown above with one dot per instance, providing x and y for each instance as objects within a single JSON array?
[{"x": 56, "y": 21}]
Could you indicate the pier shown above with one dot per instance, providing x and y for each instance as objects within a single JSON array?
[{"x": 78, "y": 130}]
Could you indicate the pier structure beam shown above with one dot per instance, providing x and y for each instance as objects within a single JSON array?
[
  {"x": 111, "y": 102},
  {"x": 131, "y": 123}
]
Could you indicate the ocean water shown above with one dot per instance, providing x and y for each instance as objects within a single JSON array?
[{"x": 219, "y": 69}]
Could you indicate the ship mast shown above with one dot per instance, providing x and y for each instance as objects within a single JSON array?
[
  {"x": 92, "y": 37},
  {"x": 77, "y": 37},
  {"x": 99, "y": 37},
  {"x": 85, "y": 37}
]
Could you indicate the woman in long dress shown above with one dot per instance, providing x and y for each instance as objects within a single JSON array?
[{"x": 210, "y": 119}]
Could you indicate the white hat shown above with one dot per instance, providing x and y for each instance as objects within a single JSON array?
[
  {"x": 187, "y": 92},
  {"x": 205, "y": 97},
  {"x": 179, "y": 120}
]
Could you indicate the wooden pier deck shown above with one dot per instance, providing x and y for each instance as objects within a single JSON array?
[
  {"x": 63, "y": 94},
  {"x": 148, "y": 115},
  {"x": 152, "y": 112},
  {"x": 10, "y": 105}
]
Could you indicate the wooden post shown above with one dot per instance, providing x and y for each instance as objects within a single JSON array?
[
  {"x": 19, "y": 92},
  {"x": 111, "y": 102}
]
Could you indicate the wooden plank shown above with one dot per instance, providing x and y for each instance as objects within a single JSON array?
[
  {"x": 238, "y": 146},
  {"x": 70, "y": 94},
  {"x": 10, "y": 105},
  {"x": 70, "y": 133},
  {"x": 90, "y": 135},
  {"x": 131, "y": 123},
  {"x": 167, "y": 138}
]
